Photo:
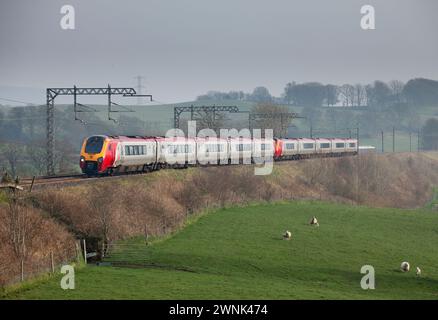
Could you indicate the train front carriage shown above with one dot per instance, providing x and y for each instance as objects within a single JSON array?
[
  {"x": 136, "y": 154},
  {"x": 96, "y": 155}
]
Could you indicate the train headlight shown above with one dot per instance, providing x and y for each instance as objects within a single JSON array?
[
  {"x": 82, "y": 159},
  {"x": 100, "y": 160}
]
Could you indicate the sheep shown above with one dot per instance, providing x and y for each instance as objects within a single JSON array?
[
  {"x": 418, "y": 271},
  {"x": 287, "y": 235},
  {"x": 405, "y": 266},
  {"x": 314, "y": 222}
]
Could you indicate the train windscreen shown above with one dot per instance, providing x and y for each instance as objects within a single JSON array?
[{"x": 94, "y": 144}]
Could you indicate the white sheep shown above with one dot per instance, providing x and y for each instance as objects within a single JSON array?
[
  {"x": 314, "y": 222},
  {"x": 405, "y": 266},
  {"x": 418, "y": 271},
  {"x": 287, "y": 235}
]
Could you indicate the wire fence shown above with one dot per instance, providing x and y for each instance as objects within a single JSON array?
[{"x": 31, "y": 266}]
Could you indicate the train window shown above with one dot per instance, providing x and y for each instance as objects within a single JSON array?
[
  {"x": 352, "y": 145},
  {"x": 243, "y": 147},
  {"x": 94, "y": 144},
  {"x": 127, "y": 150},
  {"x": 324, "y": 145},
  {"x": 187, "y": 148},
  {"x": 179, "y": 148},
  {"x": 308, "y": 145},
  {"x": 211, "y": 148},
  {"x": 290, "y": 146},
  {"x": 340, "y": 145}
]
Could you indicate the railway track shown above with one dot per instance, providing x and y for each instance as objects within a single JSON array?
[
  {"x": 41, "y": 182},
  {"x": 36, "y": 182}
]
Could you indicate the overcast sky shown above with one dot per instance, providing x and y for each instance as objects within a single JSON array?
[{"x": 187, "y": 47}]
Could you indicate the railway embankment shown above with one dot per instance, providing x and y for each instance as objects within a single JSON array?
[{"x": 106, "y": 210}]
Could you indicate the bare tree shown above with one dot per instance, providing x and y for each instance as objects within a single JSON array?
[
  {"x": 38, "y": 156},
  {"x": 278, "y": 124},
  {"x": 104, "y": 214},
  {"x": 12, "y": 153},
  {"x": 20, "y": 226},
  {"x": 210, "y": 119},
  {"x": 348, "y": 93},
  {"x": 396, "y": 89},
  {"x": 360, "y": 94}
]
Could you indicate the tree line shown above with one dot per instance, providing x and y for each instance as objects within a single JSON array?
[{"x": 416, "y": 92}]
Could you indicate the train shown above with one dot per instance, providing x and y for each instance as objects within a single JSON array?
[{"x": 108, "y": 155}]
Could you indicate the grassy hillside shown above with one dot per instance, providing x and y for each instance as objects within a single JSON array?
[{"x": 238, "y": 253}]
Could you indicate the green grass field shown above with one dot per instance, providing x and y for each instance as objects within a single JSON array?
[{"x": 238, "y": 253}]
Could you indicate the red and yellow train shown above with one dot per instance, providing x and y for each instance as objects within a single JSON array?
[{"x": 101, "y": 154}]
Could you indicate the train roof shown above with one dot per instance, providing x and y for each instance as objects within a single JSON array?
[{"x": 161, "y": 138}]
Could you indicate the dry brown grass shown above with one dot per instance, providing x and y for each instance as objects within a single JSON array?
[
  {"x": 27, "y": 235},
  {"x": 115, "y": 209}
]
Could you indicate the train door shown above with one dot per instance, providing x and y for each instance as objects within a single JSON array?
[{"x": 118, "y": 155}]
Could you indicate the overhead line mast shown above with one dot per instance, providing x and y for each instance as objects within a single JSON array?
[{"x": 52, "y": 93}]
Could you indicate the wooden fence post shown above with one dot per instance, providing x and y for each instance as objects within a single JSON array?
[
  {"x": 77, "y": 251},
  {"x": 52, "y": 262},
  {"x": 23, "y": 254},
  {"x": 22, "y": 269},
  {"x": 85, "y": 252}
]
